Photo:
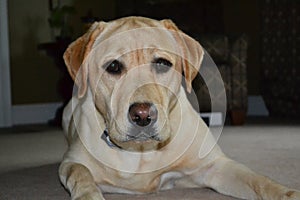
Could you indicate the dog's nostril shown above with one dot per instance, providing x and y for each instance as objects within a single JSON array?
[
  {"x": 141, "y": 121},
  {"x": 142, "y": 114}
]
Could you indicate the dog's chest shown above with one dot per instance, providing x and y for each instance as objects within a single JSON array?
[
  {"x": 122, "y": 182},
  {"x": 147, "y": 182}
]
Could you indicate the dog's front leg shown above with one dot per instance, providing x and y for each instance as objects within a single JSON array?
[
  {"x": 79, "y": 181},
  {"x": 231, "y": 178}
]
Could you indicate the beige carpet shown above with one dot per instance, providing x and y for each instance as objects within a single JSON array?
[
  {"x": 28, "y": 149},
  {"x": 270, "y": 150}
]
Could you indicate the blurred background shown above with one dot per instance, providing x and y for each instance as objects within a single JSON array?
[{"x": 255, "y": 43}]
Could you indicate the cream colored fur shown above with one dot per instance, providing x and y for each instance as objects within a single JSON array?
[{"x": 91, "y": 168}]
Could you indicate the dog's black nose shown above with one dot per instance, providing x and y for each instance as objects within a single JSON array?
[{"x": 142, "y": 114}]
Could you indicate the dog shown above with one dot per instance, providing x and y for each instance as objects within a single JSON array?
[{"x": 129, "y": 125}]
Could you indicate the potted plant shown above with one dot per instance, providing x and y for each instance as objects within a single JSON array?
[{"x": 58, "y": 20}]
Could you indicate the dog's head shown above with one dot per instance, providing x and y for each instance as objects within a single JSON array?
[{"x": 134, "y": 69}]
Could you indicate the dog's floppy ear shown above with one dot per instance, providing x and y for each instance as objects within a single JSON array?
[
  {"x": 191, "y": 50},
  {"x": 76, "y": 53}
]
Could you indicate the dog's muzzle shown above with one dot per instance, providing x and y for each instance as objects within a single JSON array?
[{"x": 142, "y": 117}]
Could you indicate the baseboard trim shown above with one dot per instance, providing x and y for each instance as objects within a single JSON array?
[
  {"x": 34, "y": 113},
  {"x": 42, "y": 113},
  {"x": 213, "y": 119}
]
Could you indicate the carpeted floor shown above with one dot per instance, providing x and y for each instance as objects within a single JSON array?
[{"x": 270, "y": 150}]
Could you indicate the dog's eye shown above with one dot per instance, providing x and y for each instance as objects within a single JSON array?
[
  {"x": 161, "y": 65},
  {"x": 114, "y": 67}
]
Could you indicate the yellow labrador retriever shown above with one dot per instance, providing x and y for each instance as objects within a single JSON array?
[{"x": 130, "y": 127}]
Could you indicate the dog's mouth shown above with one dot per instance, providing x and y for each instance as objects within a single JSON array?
[
  {"x": 143, "y": 137},
  {"x": 137, "y": 135},
  {"x": 141, "y": 134},
  {"x": 133, "y": 140}
]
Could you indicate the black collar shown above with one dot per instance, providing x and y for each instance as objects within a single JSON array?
[{"x": 106, "y": 138}]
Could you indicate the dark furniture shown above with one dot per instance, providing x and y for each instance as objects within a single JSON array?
[
  {"x": 229, "y": 54},
  {"x": 65, "y": 85}
]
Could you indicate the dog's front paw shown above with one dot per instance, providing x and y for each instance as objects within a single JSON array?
[
  {"x": 87, "y": 193},
  {"x": 90, "y": 196},
  {"x": 292, "y": 195}
]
